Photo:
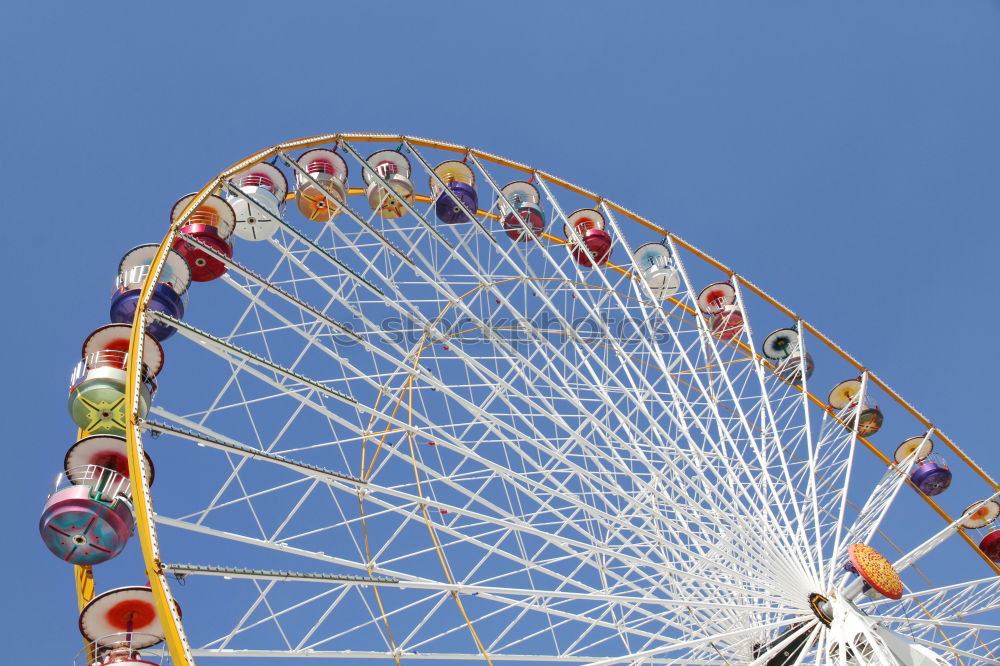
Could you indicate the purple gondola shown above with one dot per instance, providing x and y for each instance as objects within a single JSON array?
[
  {"x": 169, "y": 293},
  {"x": 460, "y": 180}
]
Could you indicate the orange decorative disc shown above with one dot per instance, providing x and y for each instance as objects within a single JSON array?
[{"x": 876, "y": 570}]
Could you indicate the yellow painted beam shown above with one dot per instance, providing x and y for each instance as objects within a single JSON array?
[
  {"x": 84, "y": 578},
  {"x": 166, "y": 609}
]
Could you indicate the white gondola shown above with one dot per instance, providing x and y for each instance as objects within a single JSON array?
[
  {"x": 392, "y": 167},
  {"x": 655, "y": 264},
  {"x": 258, "y": 208}
]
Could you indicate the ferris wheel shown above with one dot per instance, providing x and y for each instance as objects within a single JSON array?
[{"x": 413, "y": 402}]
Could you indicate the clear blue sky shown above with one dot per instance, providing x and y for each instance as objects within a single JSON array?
[{"x": 843, "y": 155}]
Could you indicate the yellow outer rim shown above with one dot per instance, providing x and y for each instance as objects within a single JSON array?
[{"x": 175, "y": 638}]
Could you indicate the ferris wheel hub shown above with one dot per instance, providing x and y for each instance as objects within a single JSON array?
[{"x": 821, "y": 608}]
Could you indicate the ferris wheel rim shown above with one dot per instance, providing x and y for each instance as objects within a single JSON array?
[
  {"x": 140, "y": 489},
  {"x": 318, "y": 140}
]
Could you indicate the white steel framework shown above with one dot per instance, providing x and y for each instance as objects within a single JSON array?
[{"x": 399, "y": 440}]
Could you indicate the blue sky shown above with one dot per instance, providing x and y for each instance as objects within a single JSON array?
[{"x": 844, "y": 156}]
